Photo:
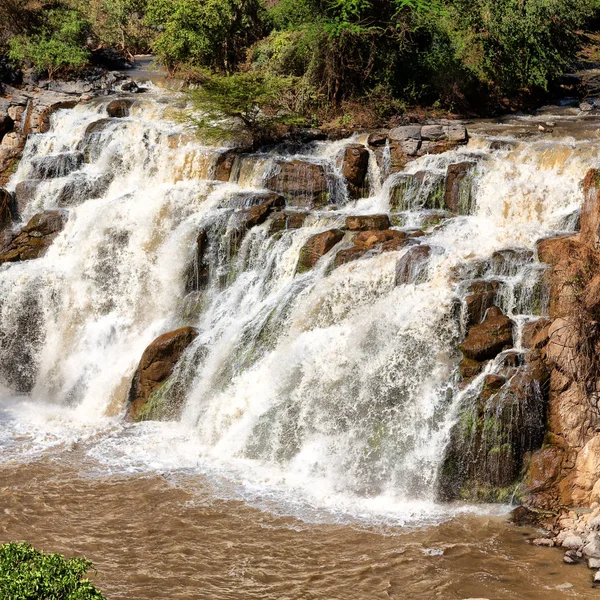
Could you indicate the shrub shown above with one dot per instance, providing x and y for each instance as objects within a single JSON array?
[
  {"x": 243, "y": 103},
  {"x": 28, "y": 574},
  {"x": 58, "y": 43}
]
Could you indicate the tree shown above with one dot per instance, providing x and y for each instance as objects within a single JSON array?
[
  {"x": 242, "y": 103},
  {"x": 28, "y": 574},
  {"x": 211, "y": 33},
  {"x": 56, "y": 43}
]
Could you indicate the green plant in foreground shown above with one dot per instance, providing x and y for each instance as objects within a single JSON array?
[
  {"x": 250, "y": 103},
  {"x": 29, "y": 574}
]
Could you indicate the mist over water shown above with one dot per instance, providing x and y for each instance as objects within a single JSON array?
[{"x": 330, "y": 392}]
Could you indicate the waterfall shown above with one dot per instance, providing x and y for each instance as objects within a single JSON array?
[{"x": 337, "y": 383}]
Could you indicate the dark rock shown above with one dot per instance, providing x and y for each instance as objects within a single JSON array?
[
  {"x": 507, "y": 262},
  {"x": 412, "y": 267},
  {"x": 117, "y": 109},
  {"x": 317, "y": 246},
  {"x": 470, "y": 368},
  {"x": 91, "y": 138},
  {"x": 35, "y": 238},
  {"x": 493, "y": 382},
  {"x": 156, "y": 366},
  {"x": 198, "y": 274},
  {"x": 481, "y": 296},
  {"x": 8, "y": 209},
  {"x": 420, "y": 190},
  {"x": 286, "y": 219},
  {"x": 458, "y": 193},
  {"x": 302, "y": 183},
  {"x": 354, "y": 164},
  {"x": 57, "y": 165},
  {"x": 25, "y": 192},
  {"x": 43, "y": 120},
  {"x": 487, "y": 340},
  {"x": 378, "y": 138},
  {"x": 590, "y": 211},
  {"x": 536, "y": 333},
  {"x": 524, "y": 516},
  {"x": 368, "y": 222},
  {"x": 224, "y": 164},
  {"x": 374, "y": 241},
  {"x": 83, "y": 187}
]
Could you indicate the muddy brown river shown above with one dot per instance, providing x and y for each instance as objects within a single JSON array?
[{"x": 171, "y": 536}]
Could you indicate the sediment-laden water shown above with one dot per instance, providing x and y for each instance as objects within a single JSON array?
[{"x": 315, "y": 406}]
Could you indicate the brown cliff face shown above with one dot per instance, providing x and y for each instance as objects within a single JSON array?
[{"x": 566, "y": 471}]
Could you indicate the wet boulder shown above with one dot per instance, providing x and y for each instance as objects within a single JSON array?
[
  {"x": 286, "y": 219},
  {"x": 378, "y": 138},
  {"x": 368, "y": 222},
  {"x": 257, "y": 213},
  {"x": 481, "y": 295},
  {"x": 155, "y": 368},
  {"x": 223, "y": 165},
  {"x": 488, "y": 339},
  {"x": 303, "y": 183},
  {"x": 118, "y": 109},
  {"x": 412, "y": 267},
  {"x": 316, "y": 247},
  {"x": 415, "y": 191},
  {"x": 507, "y": 262},
  {"x": 82, "y": 187},
  {"x": 25, "y": 192},
  {"x": 35, "y": 238},
  {"x": 458, "y": 192},
  {"x": 371, "y": 242},
  {"x": 57, "y": 165},
  {"x": 470, "y": 368},
  {"x": 198, "y": 273},
  {"x": 8, "y": 209},
  {"x": 354, "y": 164},
  {"x": 243, "y": 220},
  {"x": 91, "y": 137}
]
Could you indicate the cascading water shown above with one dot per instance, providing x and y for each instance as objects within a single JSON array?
[{"x": 338, "y": 384}]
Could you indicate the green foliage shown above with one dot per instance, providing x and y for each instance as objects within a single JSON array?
[
  {"x": 58, "y": 43},
  {"x": 213, "y": 33},
  {"x": 119, "y": 24},
  {"x": 242, "y": 103},
  {"x": 28, "y": 574}
]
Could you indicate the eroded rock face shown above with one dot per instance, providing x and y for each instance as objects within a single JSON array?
[
  {"x": 303, "y": 184},
  {"x": 35, "y": 238},
  {"x": 590, "y": 211},
  {"x": 155, "y": 368},
  {"x": 488, "y": 339},
  {"x": 317, "y": 246}
]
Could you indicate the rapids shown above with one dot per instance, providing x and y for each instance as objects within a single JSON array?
[{"x": 327, "y": 396}]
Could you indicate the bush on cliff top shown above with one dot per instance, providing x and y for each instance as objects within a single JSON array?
[{"x": 28, "y": 574}]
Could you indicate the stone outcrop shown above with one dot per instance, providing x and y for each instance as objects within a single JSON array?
[
  {"x": 567, "y": 471},
  {"x": 481, "y": 295},
  {"x": 154, "y": 370},
  {"x": 303, "y": 184},
  {"x": 35, "y": 238},
  {"x": 457, "y": 195},
  {"x": 8, "y": 209},
  {"x": 489, "y": 338},
  {"x": 316, "y": 247}
]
